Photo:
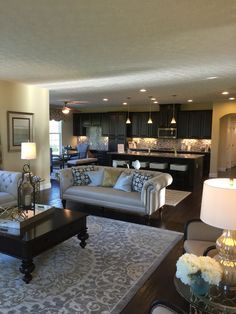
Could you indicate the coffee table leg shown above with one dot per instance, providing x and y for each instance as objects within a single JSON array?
[
  {"x": 27, "y": 268},
  {"x": 83, "y": 236}
]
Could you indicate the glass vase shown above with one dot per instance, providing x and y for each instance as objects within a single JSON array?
[{"x": 198, "y": 285}]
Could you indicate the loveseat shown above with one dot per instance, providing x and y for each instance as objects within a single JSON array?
[
  {"x": 9, "y": 187},
  {"x": 149, "y": 199}
]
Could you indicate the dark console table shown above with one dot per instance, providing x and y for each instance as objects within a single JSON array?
[{"x": 42, "y": 235}]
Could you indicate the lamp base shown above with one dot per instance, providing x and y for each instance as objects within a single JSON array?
[{"x": 226, "y": 246}]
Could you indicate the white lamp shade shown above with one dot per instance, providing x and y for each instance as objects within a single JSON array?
[
  {"x": 28, "y": 150},
  {"x": 218, "y": 207}
]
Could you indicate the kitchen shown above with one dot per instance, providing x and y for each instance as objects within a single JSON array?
[{"x": 192, "y": 134}]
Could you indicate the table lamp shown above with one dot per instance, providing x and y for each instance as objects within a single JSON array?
[
  {"x": 26, "y": 188},
  {"x": 28, "y": 152},
  {"x": 218, "y": 209}
]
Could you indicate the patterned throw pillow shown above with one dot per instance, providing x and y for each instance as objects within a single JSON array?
[
  {"x": 138, "y": 181},
  {"x": 80, "y": 176}
]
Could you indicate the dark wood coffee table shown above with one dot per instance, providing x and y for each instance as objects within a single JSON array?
[{"x": 42, "y": 235}]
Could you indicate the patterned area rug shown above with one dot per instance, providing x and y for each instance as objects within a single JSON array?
[
  {"x": 174, "y": 197},
  {"x": 102, "y": 278}
]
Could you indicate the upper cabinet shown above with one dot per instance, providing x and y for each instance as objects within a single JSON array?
[
  {"x": 167, "y": 112},
  {"x": 190, "y": 124},
  {"x": 83, "y": 120},
  {"x": 139, "y": 126},
  {"x": 194, "y": 124}
]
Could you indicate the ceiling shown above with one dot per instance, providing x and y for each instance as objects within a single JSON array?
[{"x": 90, "y": 50}]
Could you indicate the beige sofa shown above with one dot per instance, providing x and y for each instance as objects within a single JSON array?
[
  {"x": 9, "y": 188},
  {"x": 151, "y": 198}
]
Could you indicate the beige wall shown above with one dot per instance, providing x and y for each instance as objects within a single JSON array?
[
  {"x": 67, "y": 132},
  {"x": 219, "y": 110},
  {"x": 26, "y": 98}
]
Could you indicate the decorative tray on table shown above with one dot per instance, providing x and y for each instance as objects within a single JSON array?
[{"x": 14, "y": 218}]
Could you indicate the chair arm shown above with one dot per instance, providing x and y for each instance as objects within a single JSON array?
[
  {"x": 198, "y": 230},
  {"x": 152, "y": 188},
  {"x": 212, "y": 250},
  {"x": 66, "y": 180},
  {"x": 160, "y": 306},
  {"x": 9, "y": 182}
]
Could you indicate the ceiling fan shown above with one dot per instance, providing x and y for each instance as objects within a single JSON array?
[{"x": 68, "y": 105}]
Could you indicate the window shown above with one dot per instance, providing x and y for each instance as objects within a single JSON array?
[{"x": 55, "y": 136}]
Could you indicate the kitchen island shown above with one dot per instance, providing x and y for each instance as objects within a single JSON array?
[{"x": 189, "y": 179}]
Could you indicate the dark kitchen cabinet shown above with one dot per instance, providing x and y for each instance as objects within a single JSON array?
[
  {"x": 195, "y": 124},
  {"x": 166, "y": 114},
  {"x": 78, "y": 126},
  {"x": 117, "y": 129},
  {"x": 105, "y": 124},
  {"x": 139, "y": 126},
  {"x": 183, "y": 124}
]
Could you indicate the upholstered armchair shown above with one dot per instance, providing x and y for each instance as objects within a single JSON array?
[
  {"x": 163, "y": 307},
  {"x": 9, "y": 188},
  {"x": 200, "y": 238}
]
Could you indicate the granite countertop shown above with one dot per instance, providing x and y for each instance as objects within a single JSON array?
[{"x": 159, "y": 154}]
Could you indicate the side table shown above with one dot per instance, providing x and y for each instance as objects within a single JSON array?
[{"x": 215, "y": 302}]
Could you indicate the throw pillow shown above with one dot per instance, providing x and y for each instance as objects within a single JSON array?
[
  {"x": 95, "y": 177},
  {"x": 80, "y": 176},
  {"x": 110, "y": 176},
  {"x": 124, "y": 182},
  {"x": 138, "y": 181}
]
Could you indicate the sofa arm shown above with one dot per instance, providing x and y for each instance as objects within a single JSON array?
[
  {"x": 66, "y": 180},
  {"x": 197, "y": 230},
  {"x": 153, "y": 192},
  {"x": 9, "y": 182}
]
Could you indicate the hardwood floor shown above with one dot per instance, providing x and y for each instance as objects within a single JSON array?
[{"x": 160, "y": 285}]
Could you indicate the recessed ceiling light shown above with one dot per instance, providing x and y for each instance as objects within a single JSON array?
[
  {"x": 105, "y": 99},
  {"x": 231, "y": 98},
  {"x": 124, "y": 103},
  {"x": 211, "y": 77},
  {"x": 142, "y": 90},
  {"x": 190, "y": 100},
  {"x": 155, "y": 102},
  {"x": 153, "y": 98},
  {"x": 225, "y": 93}
]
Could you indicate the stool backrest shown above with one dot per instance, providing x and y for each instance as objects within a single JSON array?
[{"x": 82, "y": 150}]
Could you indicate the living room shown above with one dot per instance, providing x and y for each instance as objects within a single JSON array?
[{"x": 94, "y": 57}]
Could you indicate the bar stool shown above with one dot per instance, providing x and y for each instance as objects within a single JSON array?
[
  {"x": 178, "y": 167},
  {"x": 158, "y": 165},
  {"x": 120, "y": 163},
  {"x": 179, "y": 174},
  {"x": 139, "y": 164}
]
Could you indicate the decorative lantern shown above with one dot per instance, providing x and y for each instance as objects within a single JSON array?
[{"x": 26, "y": 192}]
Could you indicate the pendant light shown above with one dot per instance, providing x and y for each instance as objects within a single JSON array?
[
  {"x": 128, "y": 119},
  {"x": 65, "y": 109},
  {"x": 173, "y": 121},
  {"x": 150, "y": 117}
]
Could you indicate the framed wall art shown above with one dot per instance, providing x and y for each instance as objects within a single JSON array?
[{"x": 20, "y": 129}]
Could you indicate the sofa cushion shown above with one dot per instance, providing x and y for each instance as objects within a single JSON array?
[
  {"x": 96, "y": 177},
  {"x": 124, "y": 182},
  {"x": 106, "y": 194},
  {"x": 138, "y": 181},
  {"x": 110, "y": 177},
  {"x": 80, "y": 176}
]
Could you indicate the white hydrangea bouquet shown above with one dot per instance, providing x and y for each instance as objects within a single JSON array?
[{"x": 190, "y": 265}]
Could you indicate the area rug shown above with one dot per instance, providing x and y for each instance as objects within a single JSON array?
[
  {"x": 102, "y": 278},
  {"x": 174, "y": 197}
]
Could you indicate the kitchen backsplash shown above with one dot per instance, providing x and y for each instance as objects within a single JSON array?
[
  {"x": 94, "y": 138},
  {"x": 178, "y": 144},
  {"x": 98, "y": 142}
]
